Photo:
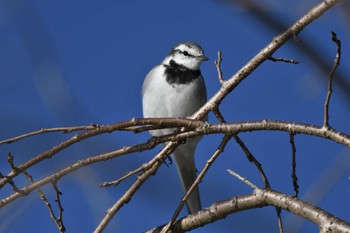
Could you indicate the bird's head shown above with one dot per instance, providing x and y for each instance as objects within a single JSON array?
[{"x": 187, "y": 54}]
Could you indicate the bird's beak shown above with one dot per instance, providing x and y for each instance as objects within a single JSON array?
[{"x": 203, "y": 58}]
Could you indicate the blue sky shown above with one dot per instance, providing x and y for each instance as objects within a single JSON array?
[{"x": 67, "y": 63}]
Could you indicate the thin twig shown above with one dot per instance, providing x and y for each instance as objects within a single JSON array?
[
  {"x": 280, "y": 59},
  {"x": 49, "y": 130},
  {"x": 243, "y": 179},
  {"x": 10, "y": 161},
  {"x": 127, "y": 175},
  {"x": 42, "y": 196},
  {"x": 156, "y": 161},
  {"x": 294, "y": 165},
  {"x": 279, "y": 219},
  {"x": 247, "y": 152},
  {"x": 13, "y": 168},
  {"x": 258, "y": 165},
  {"x": 253, "y": 160},
  {"x": 60, "y": 208},
  {"x": 330, "y": 80},
  {"x": 218, "y": 68},
  {"x": 199, "y": 178}
]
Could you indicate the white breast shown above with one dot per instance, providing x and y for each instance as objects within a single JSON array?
[{"x": 160, "y": 99}]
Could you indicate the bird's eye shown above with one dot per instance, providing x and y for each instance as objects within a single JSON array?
[{"x": 185, "y": 53}]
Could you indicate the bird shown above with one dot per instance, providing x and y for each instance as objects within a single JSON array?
[{"x": 176, "y": 88}]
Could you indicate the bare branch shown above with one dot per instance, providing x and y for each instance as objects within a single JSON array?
[
  {"x": 60, "y": 208},
  {"x": 253, "y": 160},
  {"x": 199, "y": 178},
  {"x": 258, "y": 165},
  {"x": 330, "y": 80},
  {"x": 42, "y": 196},
  {"x": 307, "y": 48},
  {"x": 279, "y": 219},
  {"x": 218, "y": 115},
  {"x": 10, "y": 161},
  {"x": 280, "y": 59},
  {"x": 49, "y": 130},
  {"x": 96, "y": 131},
  {"x": 260, "y": 198},
  {"x": 202, "y": 128},
  {"x": 13, "y": 168},
  {"x": 263, "y": 55},
  {"x": 241, "y": 178},
  {"x": 127, "y": 175},
  {"x": 156, "y": 161},
  {"x": 294, "y": 165},
  {"x": 218, "y": 68}
]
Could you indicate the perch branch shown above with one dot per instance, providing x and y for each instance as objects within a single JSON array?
[
  {"x": 227, "y": 128},
  {"x": 96, "y": 131}
]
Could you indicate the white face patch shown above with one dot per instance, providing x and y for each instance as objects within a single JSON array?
[
  {"x": 187, "y": 54},
  {"x": 192, "y": 49}
]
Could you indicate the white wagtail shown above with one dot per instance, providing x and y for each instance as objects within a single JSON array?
[{"x": 176, "y": 88}]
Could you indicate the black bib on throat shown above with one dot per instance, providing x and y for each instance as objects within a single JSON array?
[{"x": 179, "y": 74}]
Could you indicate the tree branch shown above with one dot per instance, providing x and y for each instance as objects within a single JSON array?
[
  {"x": 202, "y": 128},
  {"x": 199, "y": 178},
  {"x": 260, "y": 198},
  {"x": 218, "y": 68},
  {"x": 136, "y": 185},
  {"x": 49, "y": 130},
  {"x": 263, "y": 55},
  {"x": 294, "y": 165},
  {"x": 93, "y": 132},
  {"x": 330, "y": 80}
]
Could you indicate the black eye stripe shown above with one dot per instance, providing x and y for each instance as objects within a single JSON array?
[{"x": 185, "y": 53}]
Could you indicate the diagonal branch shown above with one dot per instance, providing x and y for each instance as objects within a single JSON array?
[
  {"x": 253, "y": 160},
  {"x": 305, "y": 46},
  {"x": 263, "y": 55},
  {"x": 137, "y": 184},
  {"x": 199, "y": 178}
]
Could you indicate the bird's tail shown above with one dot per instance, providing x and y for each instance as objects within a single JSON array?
[{"x": 184, "y": 159}]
